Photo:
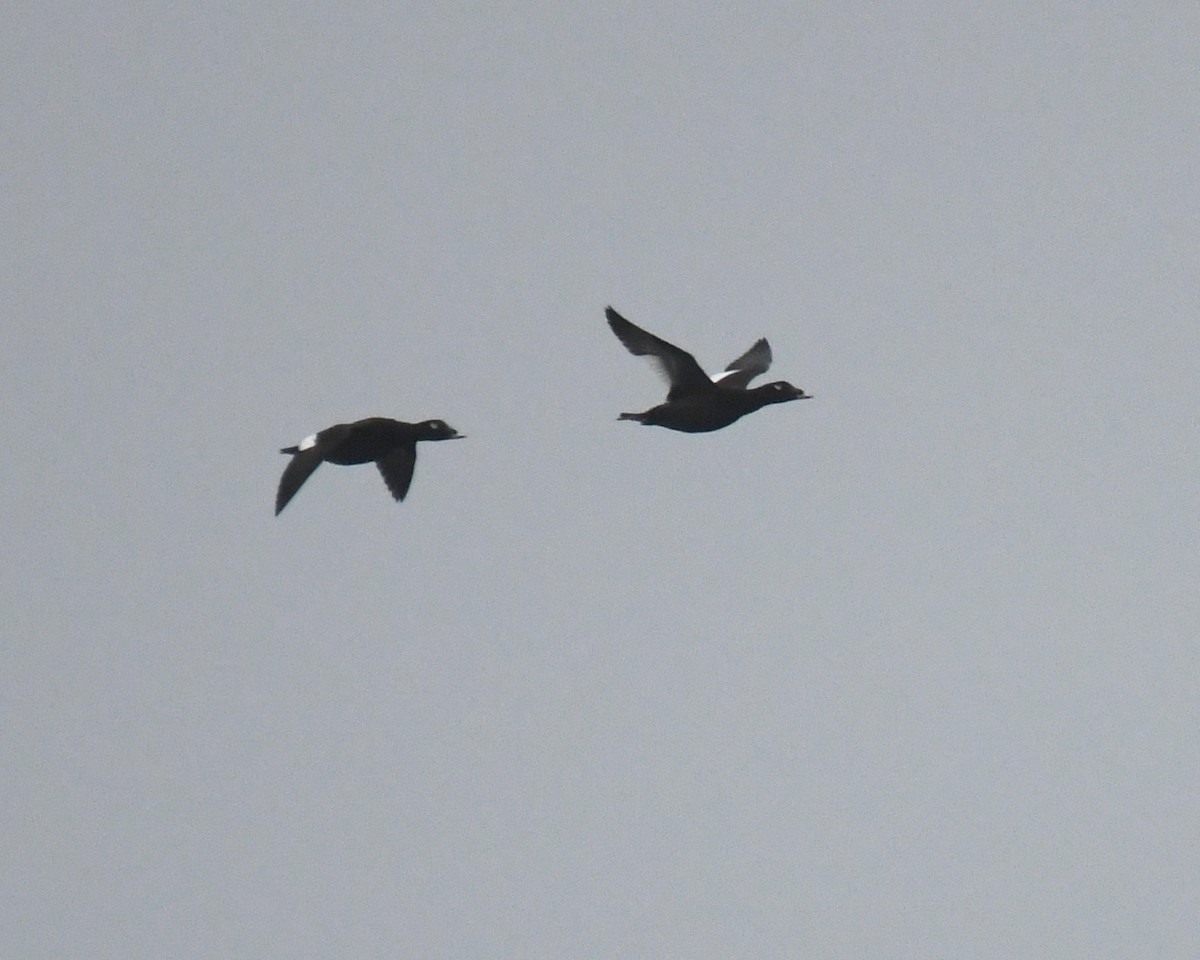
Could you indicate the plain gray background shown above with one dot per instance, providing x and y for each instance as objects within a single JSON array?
[{"x": 905, "y": 671}]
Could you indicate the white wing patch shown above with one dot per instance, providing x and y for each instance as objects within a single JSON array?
[{"x": 308, "y": 442}]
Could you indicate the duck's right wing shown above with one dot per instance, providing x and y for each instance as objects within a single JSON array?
[
  {"x": 745, "y": 368},
  {"x": 678, "y": 366},
  {"x": 299, "y": 469}
]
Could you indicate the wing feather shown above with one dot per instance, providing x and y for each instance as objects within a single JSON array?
[
  {"x": 678, "y": 366},
  {"x": 397, "y": 469},
  {"x": 745, "y": 368},
  {"x": 299, "y": 469}
]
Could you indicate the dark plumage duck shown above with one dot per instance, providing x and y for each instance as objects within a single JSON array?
[
  {"x": 697, "y": 403},
  {"x": 390, "y": 444}
]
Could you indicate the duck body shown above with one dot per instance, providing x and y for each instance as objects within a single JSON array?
[
  {"x": 704, "y": 412},
  {"x": 696, "y": 402},
  {"x": 390, "y": 444}
]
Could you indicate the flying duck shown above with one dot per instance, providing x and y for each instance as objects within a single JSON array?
[
  {"x": 697, "y": 403},
  {"x": 390, "y": 444}
]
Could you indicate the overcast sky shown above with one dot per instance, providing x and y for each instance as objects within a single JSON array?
[{"x": 910, "y": 670}]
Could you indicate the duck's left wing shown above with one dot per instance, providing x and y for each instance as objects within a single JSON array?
[
  {"x": 397, "y": 469},
  {"x": 678, "y": 366}
]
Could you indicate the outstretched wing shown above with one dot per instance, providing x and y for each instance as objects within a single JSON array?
[
  {"x": 737, "y": 375},
  {"x": 397, "y": 469},
  {"x": 678, "y": 366},
  {"x": 299, "y": 469}
]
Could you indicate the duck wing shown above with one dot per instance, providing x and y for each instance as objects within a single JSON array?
[
  {"x": 737, "y": 375},
  {"x": 678, "y": 366},
  {"x": 299, "y": 469},
  {"x": 397, "y": 469}
]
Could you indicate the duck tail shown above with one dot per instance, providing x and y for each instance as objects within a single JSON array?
[
  {"x": 290, "y": 450},
  {"x": 638, "y": 417}
]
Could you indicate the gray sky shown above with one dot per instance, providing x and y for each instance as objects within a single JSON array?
[{"x": 907, "y": 671}]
